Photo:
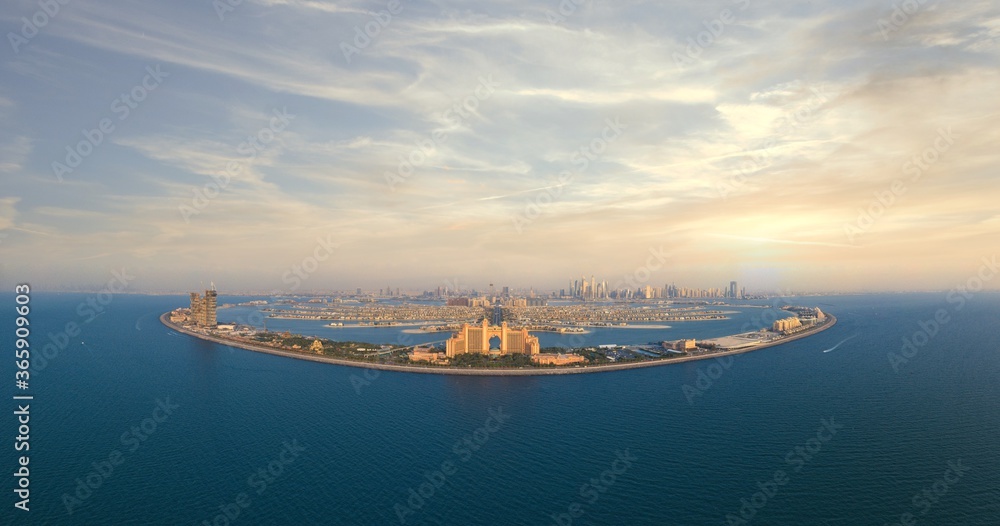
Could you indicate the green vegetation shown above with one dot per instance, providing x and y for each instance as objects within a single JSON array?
[
  {"x": 593, "y": 357},
  {"x": 345, "y": 350},
  {"x": 484, "y": 361}
]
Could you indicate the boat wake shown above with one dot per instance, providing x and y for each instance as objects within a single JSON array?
[{"x": 840, "y": 343}]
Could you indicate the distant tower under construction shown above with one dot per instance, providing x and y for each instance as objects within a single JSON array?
[{"x": 203, "y": 308}]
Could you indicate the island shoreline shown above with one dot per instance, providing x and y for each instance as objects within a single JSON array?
[{"x": 430, "y": 369}]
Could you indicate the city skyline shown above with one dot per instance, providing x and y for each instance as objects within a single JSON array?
[
  {"x": 522, "y": 292},
  {"x": 822, "y": 146}
]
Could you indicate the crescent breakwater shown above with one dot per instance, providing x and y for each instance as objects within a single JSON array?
[{"x": 431, "y": 369}]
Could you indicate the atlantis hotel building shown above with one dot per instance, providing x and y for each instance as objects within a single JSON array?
[{"x": 476, "y": 339}]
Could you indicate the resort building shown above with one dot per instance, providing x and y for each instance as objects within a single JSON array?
[
  {"x": 487, "y": 339},
  {"x": 427, "y": 354},
  {"x": 786, "y": 324},
  {"x": 812, "y": 316},
  {"x": 557, "y": 359},
  {"x": 681, "y": 345}
]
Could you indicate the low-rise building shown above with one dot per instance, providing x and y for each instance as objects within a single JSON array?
[
  {"x": 179, "y": 315},
  {"x": 681, "y": 345},
  {"x": 557, "y": 359},
  {"x": 427, "y": 354}
]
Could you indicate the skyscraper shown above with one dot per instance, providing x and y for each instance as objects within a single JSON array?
[
  {"x": 203, "y": 308},
  {"x": 211, "y": 298},
  {"x": 732, "y": 289},
  {"x": 197, "y": 308}
]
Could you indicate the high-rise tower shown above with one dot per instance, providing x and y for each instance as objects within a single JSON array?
[
  {"x": 211, "y": 297},
  {"x": 203, "y": 308}
]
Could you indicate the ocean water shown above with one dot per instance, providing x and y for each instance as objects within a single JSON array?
[{"x": 699, "y": 440}]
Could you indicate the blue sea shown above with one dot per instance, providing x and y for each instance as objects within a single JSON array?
[{"x": 133, "y": 423}]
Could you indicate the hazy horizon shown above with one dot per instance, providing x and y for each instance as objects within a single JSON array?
[
  {"x": 466, "y": 288},
  {"x": 190, "y": 143}
]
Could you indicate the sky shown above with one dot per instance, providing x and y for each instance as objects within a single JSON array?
[{"x": 308, "y": 145}]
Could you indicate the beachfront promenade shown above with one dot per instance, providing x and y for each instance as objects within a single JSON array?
[{"x": 468, "y": 371}]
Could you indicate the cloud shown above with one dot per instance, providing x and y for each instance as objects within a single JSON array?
[
  {"x": 14, "y": 153},
  {"x": 756, "y": 154},
  {"x": 8, "y": 211}
]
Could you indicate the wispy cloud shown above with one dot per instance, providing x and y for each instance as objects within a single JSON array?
[
  {"x": 14, "y": 153},
  {"x": 758, "y": 152}
]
